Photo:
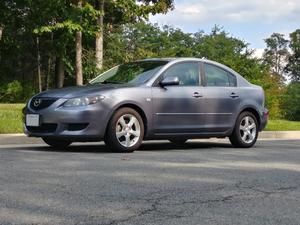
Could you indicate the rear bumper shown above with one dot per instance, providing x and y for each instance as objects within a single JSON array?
[{"x": 264, "y": 119}]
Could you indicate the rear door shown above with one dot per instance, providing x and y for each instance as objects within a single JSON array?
[{"x": 220, "y": 97}]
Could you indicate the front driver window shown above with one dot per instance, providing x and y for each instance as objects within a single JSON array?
[{"x": 187, "y": 73}]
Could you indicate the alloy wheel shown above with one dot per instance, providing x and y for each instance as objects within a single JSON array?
[
  {"x": 128, "y": 130},
  {"x": 248, "y": 129}
]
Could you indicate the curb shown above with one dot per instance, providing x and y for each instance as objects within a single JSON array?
[
  {"x": 15, "y": 139},
  {"x": 18, "y": 139},
  {"x": 279, "y": 135}
]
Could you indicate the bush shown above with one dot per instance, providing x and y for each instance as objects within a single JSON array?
[
  {"x": 11, "y": 92},
  {"x": 291, "y": 102}
]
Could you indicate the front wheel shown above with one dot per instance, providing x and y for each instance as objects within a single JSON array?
[
  {"x": 125, "y": 131},
  {"x": 56, "y": 143},
  {"x": 245, "y": 131}
]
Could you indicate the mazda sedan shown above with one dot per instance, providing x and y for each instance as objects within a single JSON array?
[{"x": 173, "y": 99}]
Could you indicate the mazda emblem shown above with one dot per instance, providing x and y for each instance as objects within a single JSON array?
[{"x": 37, "y": 102}]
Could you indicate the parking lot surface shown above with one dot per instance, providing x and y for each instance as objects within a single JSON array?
[{"x": 198, "y": 183}]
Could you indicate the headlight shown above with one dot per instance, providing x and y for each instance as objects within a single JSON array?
[{"x": 83, "y": 101}]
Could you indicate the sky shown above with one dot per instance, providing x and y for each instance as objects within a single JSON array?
[{"x": 249, "y": 20}]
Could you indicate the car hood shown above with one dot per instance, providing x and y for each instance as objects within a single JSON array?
[{"x": 78, "y": 91}]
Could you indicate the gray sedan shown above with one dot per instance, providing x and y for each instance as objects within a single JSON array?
[{"x": 175, "y": 99}]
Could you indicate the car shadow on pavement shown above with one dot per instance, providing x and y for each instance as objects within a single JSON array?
[
  {"x": 146, "y": 146},
  {"x": 166, "y": 146}
]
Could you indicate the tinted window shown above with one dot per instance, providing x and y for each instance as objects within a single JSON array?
[
  {"x": 187, "y": 73},
  {"x": 134, "y": 73},
  {"x": 218, "y": 77}
]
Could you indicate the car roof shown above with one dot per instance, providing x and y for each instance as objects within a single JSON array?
[{"x": 182, "y": 59}]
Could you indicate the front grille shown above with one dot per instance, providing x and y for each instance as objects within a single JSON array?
[
  {"x": 41, "y": 103},
  {"x": 44, "y": 128}
]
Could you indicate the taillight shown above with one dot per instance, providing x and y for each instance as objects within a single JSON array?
[{"x": 266, "y": 113}]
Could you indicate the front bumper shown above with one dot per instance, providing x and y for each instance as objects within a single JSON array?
[{"x": 85, "y": 123}]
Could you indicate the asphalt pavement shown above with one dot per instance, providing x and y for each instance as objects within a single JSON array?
[{"x": 199, "y": 183}]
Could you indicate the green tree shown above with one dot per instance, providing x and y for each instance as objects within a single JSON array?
[
  {"x": 231, "y": 51},
  {"x": 293, "y": 66},
  {"x": 276, "y": 54},
  {"x": 143, "y": 40},
  {"x": 88, "y": 19},
  {"x": 65, "y": 24},
  {"x": 122, "y": 12},
  {"x": 291, "y": 106},
  {"x": 18, "y": 58},
  {"x": 12, "y": 91}
]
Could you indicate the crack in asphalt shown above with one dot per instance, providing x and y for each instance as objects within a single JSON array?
[
  {"x": 159, "y": 206},
  {"x": 267, "y": 193}
]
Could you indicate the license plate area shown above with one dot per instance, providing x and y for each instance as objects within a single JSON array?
[{"x": 33, "y": 120}]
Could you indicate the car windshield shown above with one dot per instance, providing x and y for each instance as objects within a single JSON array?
[{"x": 132, "y": 73}]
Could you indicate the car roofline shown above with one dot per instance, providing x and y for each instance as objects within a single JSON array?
[
  {"x": 182, "y": 59},
  {"x": 171, "y": 61}
]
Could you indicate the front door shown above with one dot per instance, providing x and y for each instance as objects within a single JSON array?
[{"x": 177, "y": 109}]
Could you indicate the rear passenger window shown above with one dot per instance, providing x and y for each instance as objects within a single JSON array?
[{"x": 217, "y": 77}]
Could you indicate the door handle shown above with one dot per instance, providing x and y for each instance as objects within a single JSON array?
[
  {"x": 234, "y": 95},
  {"x": 197, "y": 95}
]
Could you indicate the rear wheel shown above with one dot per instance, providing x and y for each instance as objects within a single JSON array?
[
  {"x": 55, "y": 143},
  {"x": 125, "y": 131},
  {"x": 245, "y": 132}
]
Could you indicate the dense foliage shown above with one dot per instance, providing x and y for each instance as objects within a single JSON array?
[
  {"x": 37, "y": 47},
  {"x": 291, "y": 103},
  {"x": 293, "y": 66}
]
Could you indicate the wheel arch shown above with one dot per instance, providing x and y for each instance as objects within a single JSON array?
[
  {"x": 253, "y": 111},
  {"x": 134, "y": 106}
]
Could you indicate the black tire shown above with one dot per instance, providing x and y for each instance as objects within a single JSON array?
[
  {"x": 56, "y": 143},
  {"x": 236, "y": 136},
  {"x": 111, "y": 140},
  {"x": 178, "y": 141}
]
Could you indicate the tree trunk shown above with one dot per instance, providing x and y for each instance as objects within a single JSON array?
[
  {"x": 59, "y": 73},
  {"x": 1, "y": 31},
  {"x": 39, "y": 64},
  {"x": 47, "y": 80},
  {"x": 99, "y": 35},
  {"x": 48, "y": 74},
  {"x": 78, "y": 44}
]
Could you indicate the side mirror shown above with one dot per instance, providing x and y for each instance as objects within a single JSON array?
[{"x": 169, "y": 81}]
